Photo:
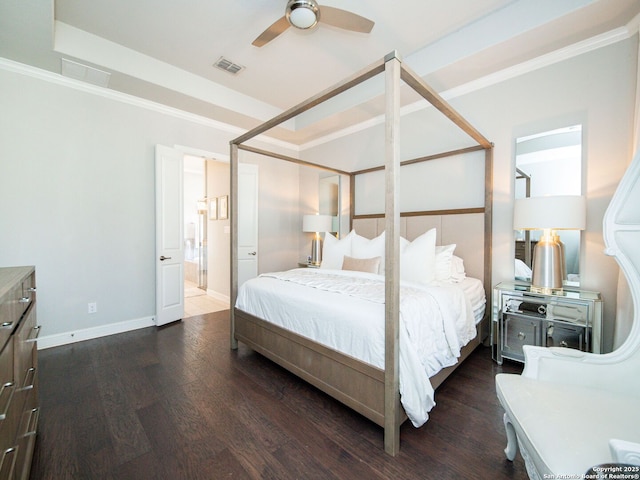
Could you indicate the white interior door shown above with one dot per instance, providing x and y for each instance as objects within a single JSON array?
[
  {"x": 247, "y": 222},
  {"x": 169, "y": 235}
]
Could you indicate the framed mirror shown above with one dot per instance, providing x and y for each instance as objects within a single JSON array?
[
  {"x": 548, "y": 163},
  {"x": 329, "y": 200}
]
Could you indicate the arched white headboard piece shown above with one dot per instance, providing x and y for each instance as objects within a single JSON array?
[{"x": 621, "y": 230}]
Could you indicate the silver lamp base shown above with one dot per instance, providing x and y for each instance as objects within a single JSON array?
[
  {"x": 548, "y": 265},
  {"x": 316, "y": 250}
]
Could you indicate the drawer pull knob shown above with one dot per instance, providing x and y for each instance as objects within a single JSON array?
[
  {"x": 33, "y": 422},
  {"x": 521, "y": 336},
  {"x": 29, "y": 379},
  {"x": 32, "y": 289},
  {"x": 33, "y": 335},
  {"x": 8, "y": 462},
  {"x": 563, "y": 344},
  {"x": 24, "y": 300},
  {"x": 6, "y": 390},
  {"x": 6, "y": 324}
]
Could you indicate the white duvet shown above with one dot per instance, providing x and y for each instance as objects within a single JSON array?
[{"x": 344, "y": 310}]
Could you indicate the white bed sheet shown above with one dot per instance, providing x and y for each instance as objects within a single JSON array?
[{"x": 345, "y": 311}]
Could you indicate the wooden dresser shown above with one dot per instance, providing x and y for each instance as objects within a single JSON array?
[{"x": 18, "y": 371}]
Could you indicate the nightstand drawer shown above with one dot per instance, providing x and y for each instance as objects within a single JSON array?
[
  {"x": 573, "y": 312},
  {"x": 560, "y": 334},
  {"x": 519, "y": 331}
]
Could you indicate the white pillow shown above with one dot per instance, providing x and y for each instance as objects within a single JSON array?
[
  {"x": 444, "y": 254},
  {"x": 418, "y": 258},
  {"x": 362, "y": 247},
  {"x": 457, "y": 270},
  {"x": 334, "y": 250}
]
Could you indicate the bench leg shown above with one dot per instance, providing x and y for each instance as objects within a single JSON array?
[{"x": 512, "y": 439}]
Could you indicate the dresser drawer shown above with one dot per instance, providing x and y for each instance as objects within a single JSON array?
[
  {"x": 26, "y": 441},
  {"x": 29, "y": 290},
  {"x": 11, "y": 309},
  {"x": 7, "y": 398}
]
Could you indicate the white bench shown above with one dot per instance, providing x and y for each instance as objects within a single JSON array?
[{"x": 571, "y": 410}]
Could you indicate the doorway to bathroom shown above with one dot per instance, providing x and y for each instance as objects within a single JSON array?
[{"x": 200, "y": 237}]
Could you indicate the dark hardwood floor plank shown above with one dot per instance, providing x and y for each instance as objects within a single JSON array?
[
  {"x": 127, "y": 434},
  {"x": 176, "y": 403}
]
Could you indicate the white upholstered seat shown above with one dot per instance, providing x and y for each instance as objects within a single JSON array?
[{"x": 571, "y": 410}]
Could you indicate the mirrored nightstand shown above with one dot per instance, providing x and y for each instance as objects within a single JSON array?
[{"x": 571, "y": 318}]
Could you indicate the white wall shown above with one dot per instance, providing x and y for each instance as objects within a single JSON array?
[
  {"x": 219, "y": 248},
  {"x": 595, "y": 89},
  {"x": 77, "y": 199},
  {"x": 280, "y": 221}
]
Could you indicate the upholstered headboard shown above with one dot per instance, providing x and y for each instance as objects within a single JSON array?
[{"x": 466, "y": 230}]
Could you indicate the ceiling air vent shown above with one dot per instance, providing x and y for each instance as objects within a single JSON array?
[
  {"x": 85, "y": 73},
  {"x": 228, "y": 66}
]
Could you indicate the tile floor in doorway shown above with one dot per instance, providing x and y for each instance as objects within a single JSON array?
[{"x": 197, "y": 302}]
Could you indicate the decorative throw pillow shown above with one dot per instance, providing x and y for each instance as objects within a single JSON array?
[
  {"x": 364, "y": 248},
  {"x": 444, "y": 254},
  {"x": 334, "y": 250},
  {"x": 369, "y": 265},
  {"x": 418, "y": 258}
]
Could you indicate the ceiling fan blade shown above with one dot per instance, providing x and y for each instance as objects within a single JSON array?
[
  {"x": 272, "y": 32},
  {"x": 346, "y": 20}
]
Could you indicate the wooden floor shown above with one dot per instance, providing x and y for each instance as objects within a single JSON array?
[{"x": 176, "y": 403}]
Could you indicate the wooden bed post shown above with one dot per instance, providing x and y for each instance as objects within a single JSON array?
[
  {"x": 233, "y": 190},
  {"x": 488, "y": 223},
  {"x": 392, "y": 407}
]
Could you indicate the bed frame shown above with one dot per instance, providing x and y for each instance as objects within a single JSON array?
[{"x": 370, "y": 391}]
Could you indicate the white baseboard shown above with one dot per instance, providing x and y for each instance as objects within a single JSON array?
[
  {"x": 50, "y": 341},
  {"x": 218, "y": 296}
]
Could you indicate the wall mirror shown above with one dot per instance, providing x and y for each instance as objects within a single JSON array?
[
  {"x": 329, "y": 200},
  {"x": 548, "y": 163}
]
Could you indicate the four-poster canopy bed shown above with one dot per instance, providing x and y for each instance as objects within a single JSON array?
[{"x": 373, "y": 392}]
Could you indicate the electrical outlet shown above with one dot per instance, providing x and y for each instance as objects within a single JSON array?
[{"x": 92, "y": 307}]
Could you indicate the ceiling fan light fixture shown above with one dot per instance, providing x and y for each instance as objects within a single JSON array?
[{"x": 303, "y": 14}]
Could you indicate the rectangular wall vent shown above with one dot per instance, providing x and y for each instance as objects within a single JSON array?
[{"x": 228, "y": 66}]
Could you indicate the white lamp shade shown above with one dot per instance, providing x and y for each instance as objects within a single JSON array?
[
  {"x": 557, "y": 212},
  {"x": 316, "y": 223}
]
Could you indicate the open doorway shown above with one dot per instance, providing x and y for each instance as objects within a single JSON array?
[{"x": 200, "y": 238}]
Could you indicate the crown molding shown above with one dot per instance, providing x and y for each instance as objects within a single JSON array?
[
  {"x": 579, "y": 48},
  {"x": 54, "y": 78}
]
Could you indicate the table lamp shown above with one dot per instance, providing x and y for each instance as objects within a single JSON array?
[
  {"x": 316, "y": 224},
  {"x": 549, "y": 213}
]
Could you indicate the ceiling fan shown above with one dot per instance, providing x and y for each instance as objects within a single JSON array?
[{"x": 305, "y": 14}]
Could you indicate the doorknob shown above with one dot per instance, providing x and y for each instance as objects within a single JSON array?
[
  {"x": 163, "y": 258},
  {"x": 252, "y": 253}
]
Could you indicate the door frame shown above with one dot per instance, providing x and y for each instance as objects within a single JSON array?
[{"x": 219, "y": 158}]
